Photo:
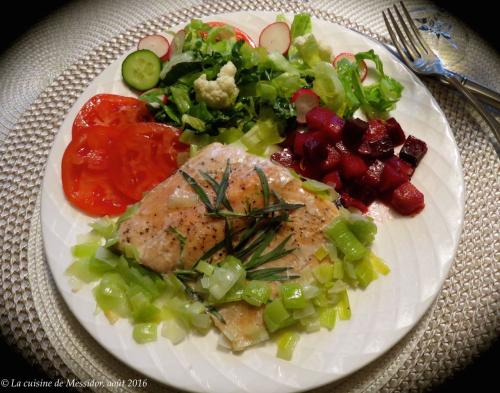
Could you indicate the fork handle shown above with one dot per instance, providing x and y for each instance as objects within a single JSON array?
[
  {"x": 484, "y": 94},
  {"x": 492, "y": 122}
]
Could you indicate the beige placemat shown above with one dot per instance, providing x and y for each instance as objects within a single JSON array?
[{"x": 463, "y": 320}]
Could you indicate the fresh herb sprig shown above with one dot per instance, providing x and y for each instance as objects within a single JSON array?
[{"x": 246, "y": 244}]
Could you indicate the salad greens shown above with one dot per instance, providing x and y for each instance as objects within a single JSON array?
[{"x": 257, "y": 109}]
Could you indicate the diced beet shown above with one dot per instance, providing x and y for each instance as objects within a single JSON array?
[
  {"x": 333, "y": 180},
  {"x": 407, "y": 199},
  {"x": 362, "y": 192},
  {"x": 401, "y": 166},
  {"x": 301, "y": 138},
  {"x": 332, "y": 159},
  {"x": 372, "y": 176},
  {"x": 349, "y": 201},
  {"x": 314, "y": 149},
  {"x": 353, "y": 132},
  {"x": 283, "y": 157},
  {"x": 341, "y": 148},
  {"x": 376, "y": 130},
  {"x": 352, "y": 166},
  {"x": 378, "y": 148},
  {"x": 391, "y": 178},
  {"x": 376, "y": 142},
  {"x": 413, "y": 150},
  {"x": 289, "y": 140},
  {"x": 298, "y": 143},
  {"x": 395, "y": 131},
  {"x": 325, "y": 120},
  {"x": 308, "y": 169}
]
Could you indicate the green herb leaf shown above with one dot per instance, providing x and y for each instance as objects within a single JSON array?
[
  {"x": 264, "y": 183},
  {"x": 198, "y": 189}
]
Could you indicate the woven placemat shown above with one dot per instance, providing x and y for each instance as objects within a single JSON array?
[{"x": 462, "y": 321}]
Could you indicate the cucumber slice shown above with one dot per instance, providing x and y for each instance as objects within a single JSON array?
[{"x": 141, "y": 69}]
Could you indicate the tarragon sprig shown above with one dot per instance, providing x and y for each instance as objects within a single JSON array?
[{"x": 247, "y": 244}]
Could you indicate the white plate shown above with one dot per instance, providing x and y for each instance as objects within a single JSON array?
[{"x": 419, "y": 251}]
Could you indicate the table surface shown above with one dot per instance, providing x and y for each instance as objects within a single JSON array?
[{"x": 18, "y": 368}]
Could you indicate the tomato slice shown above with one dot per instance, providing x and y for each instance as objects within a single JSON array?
[
  {"x": 85, "y": 174},
  {"x": 145, "y": 156},
  {"x": 110, "y": 110},
  {"x": 240, "y": 35}
]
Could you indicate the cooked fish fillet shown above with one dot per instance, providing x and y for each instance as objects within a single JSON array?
[{"x": 173, "y": 208}]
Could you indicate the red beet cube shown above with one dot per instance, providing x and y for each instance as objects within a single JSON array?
[
  {"x": 395, "y": 131},
  {"x": 391, "y": 179},
  {"x": 314, "y": 149},
  {"x": 353, "y": 132},
  {"x": 341, "y": 147},
  {"x": 376, "y": 142},
  {"x": 378, "y": 148},
  {"x": 332, "y": 159},
  {"x": 349, "y": 201},
  {"x": 401, "y": 166},
  {"x": 413, "y": 150},
  {"x": 333, "y": 180},
  {"x": 325, "y": 120},
  {"x": 352, "y": 166},
  {"x": 362, "y": 192},
  {"x": 407, "y": 199},
  {"x": 301, "y": 139},
  {"x": 283, "y": 157},
  {"x": 372, "y": 176},
  {"x": 376, "y": 130},
  {"x": 307, "y": 169}
]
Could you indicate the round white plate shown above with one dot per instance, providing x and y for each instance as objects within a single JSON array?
[{"x": 419, "y": 251}]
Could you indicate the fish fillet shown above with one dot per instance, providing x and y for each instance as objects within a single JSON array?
[{"x": 173, "y": 208}]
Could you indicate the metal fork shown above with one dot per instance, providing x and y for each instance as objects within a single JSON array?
[{"x": 420, "y": 58}]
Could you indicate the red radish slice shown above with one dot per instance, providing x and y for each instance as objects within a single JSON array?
[
  {"x": 304, "y": 100},
  {"x": 157, "y": 44},
  {"x": 363, "y": 69},
  {"x": 177, "y": 44},
  {"x": 276, "y": 37}
]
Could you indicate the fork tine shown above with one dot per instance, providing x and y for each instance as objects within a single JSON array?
[
  {"x": 401, "y": 36},
  {"x": 409, "y": 36},
  {"x": 420, "y": 39},
  {"x": 398, "y": 46}
]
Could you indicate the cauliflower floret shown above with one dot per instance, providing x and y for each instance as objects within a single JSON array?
[{"x": 219, "y": 93}]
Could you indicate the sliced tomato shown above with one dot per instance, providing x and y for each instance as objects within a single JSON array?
[
  {"x": 145, "y": 156},
  {"x": 85, "y": 174},
  {"x": 110, "y": 110},
  {"x": 240, "y": 35}
]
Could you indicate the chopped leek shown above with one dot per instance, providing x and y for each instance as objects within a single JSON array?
[
  {"x": 323, "y": 272},
  {"x": 110, "y": 295},
  {"x": 173, "y": 330},
  {"x": 345, "y": 240},
  {"x": 327, "y": 317},
  {"x": 104, "y": 227},
  {"x": 275, "y": 315},
  {"x": 81, "y": 270},
  {"x": 321, "y": 253},
  {"x": 293, "y": 296},
  {"x": 256, "y": 293},
  {"x": 145, "y": 332},
  {"x": 322, "y": 190},
  {"x": 364, "y": 229},
  {"x": 286, "y": 344},
  {"x": 205, "y": 268},
  {"x": 343, "y": 308},
  {"x": 338, "y": 270}
]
